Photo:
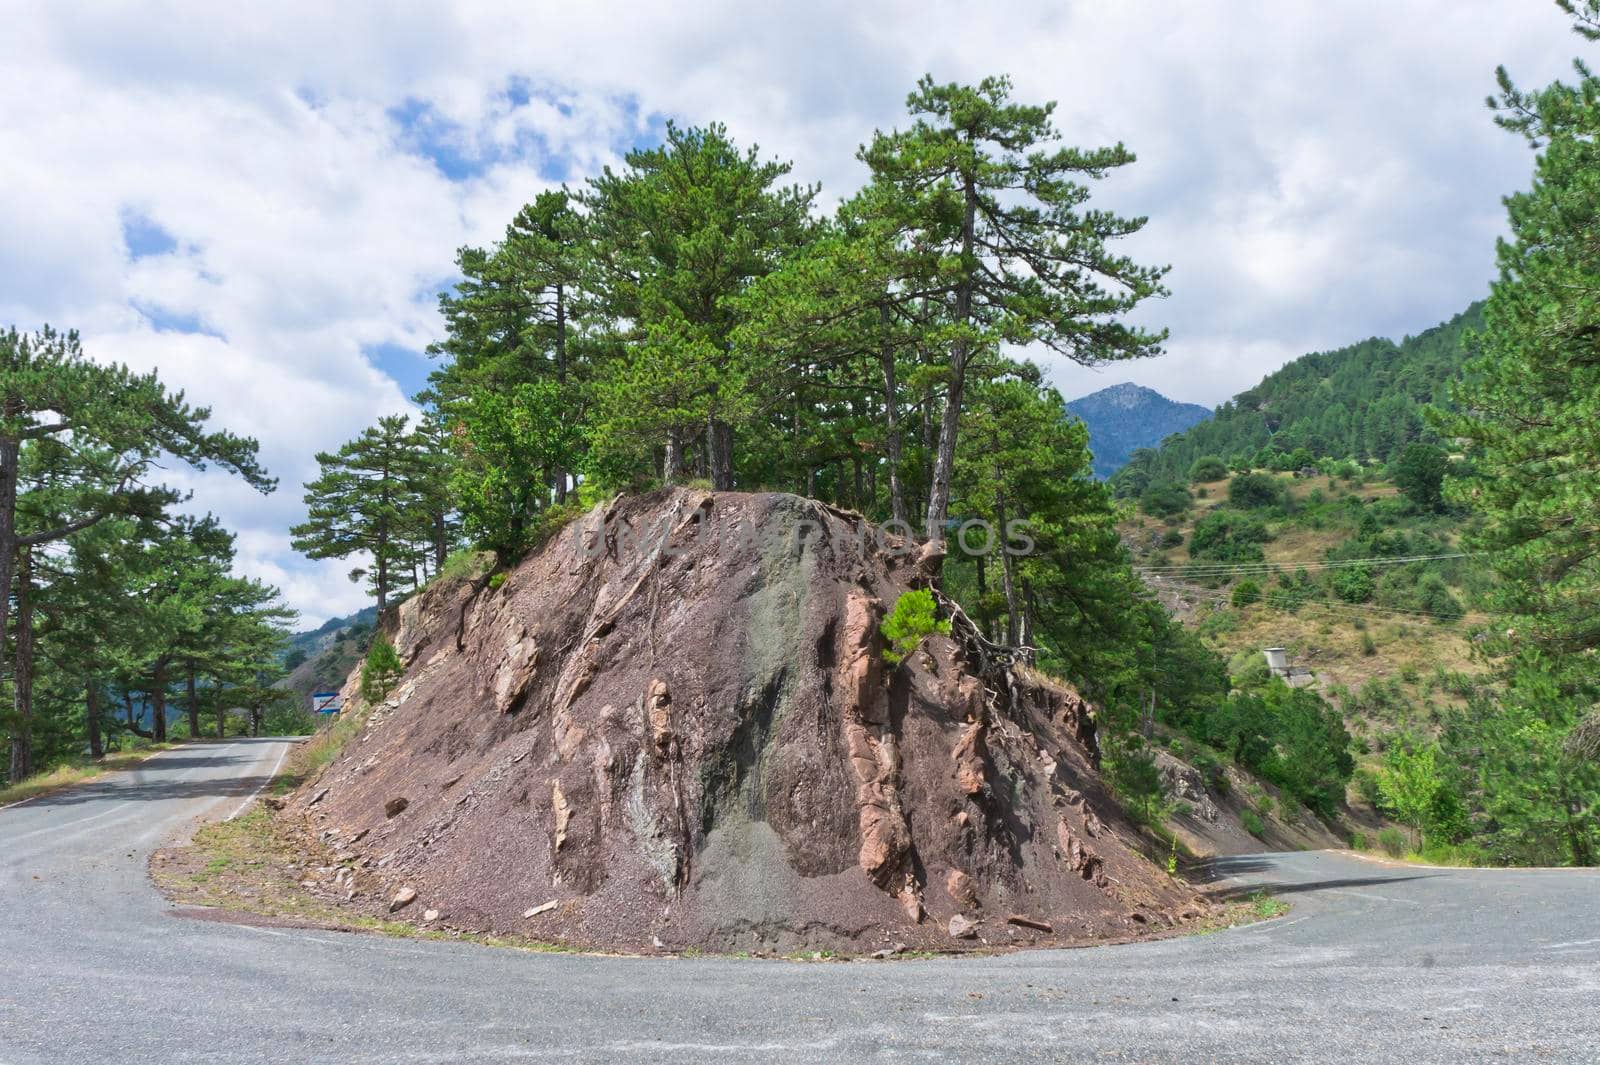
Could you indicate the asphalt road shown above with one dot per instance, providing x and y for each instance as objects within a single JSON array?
[{"x": 1374, "y": 963}]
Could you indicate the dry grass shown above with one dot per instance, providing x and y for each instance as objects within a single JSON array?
[{"x": 78, "y": 771}]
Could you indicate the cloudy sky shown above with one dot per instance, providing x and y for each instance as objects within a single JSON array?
[{"x": 263, "y": 200}]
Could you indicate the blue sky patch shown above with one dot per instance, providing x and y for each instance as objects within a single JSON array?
[
  {"x": 166, "y": 320},
  {"x": 454, "y": 149},
  {"x": 144, "y": 237},
  {"x": 409, "y": 367}
]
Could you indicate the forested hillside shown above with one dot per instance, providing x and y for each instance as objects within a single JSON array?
[
  {"x": 1123, "y": 418},
  {"x": 1364, "y": 402}
]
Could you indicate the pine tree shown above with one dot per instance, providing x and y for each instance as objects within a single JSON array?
[
  {"x": 675, "y": 237},
  {"x": 90, "y": 434},
  {"x": 1530, "y": 404},
  {"x": 1020, "y": 259},
  {"x": 367, "y": 500}
]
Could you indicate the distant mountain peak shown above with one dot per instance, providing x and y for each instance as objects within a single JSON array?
[
  {"x": 1125, "y": 417},
  {"x": 1127, "y": 395}
]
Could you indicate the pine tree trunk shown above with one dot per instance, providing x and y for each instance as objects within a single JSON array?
[
  {"x": 22, "y": 673},
  {"x": 441, "y": 546},
  {"x": 91, "y": 718},
  {"x": 983, "y": 593},
  {"x": 194, "y": 707},
  {"x": 1008, "y": 577},
  {"x": 945, "y": 455},
  {"x": 158, "y": 704},
  {"x": 561, "y": 375},
  {"x": 9, "y": 451},
  {"x": 222, "y": 716},
  {"x": 719, "y": 454},
  {"x": 382, "y": 561},
  {"x": 891, "y": 423},
  {"x": 672, "y": 467}
]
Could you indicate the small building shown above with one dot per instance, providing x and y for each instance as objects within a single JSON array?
[{"x": 1278, "y": 665}]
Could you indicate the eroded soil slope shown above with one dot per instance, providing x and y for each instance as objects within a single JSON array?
[{"x": 674, "y": 723}]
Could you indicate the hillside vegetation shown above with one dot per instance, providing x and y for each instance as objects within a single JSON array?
[{"x": 1364, "y": 402}]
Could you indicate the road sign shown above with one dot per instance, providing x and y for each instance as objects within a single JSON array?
[{"x": 325, "y": 703}]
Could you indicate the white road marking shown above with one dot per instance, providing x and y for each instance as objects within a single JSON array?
[
  {"x": 1267, "y": 926},
  {"x": 1371, "y": 895},
  {"x": 270, "y": 778}
]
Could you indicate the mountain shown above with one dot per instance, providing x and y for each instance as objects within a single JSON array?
[
  {"x": 1123, "y": 418},
  {"x": 1363, "y": 402},
  {"x": 320, "y": 659}
]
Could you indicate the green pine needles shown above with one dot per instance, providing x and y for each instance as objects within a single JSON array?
[
  {"x": 381, "y": 671},
  {"x": 910, "y": 622}
]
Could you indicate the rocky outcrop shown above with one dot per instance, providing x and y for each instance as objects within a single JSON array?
[{"x": 674, "y": 725}]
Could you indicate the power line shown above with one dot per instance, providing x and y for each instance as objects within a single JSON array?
[
  {"x": 1209, "y": 569},
  {"x": 1281, "y": 601}
]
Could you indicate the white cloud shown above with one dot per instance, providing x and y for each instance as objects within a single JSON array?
[{"x": 1314, "y": 173}]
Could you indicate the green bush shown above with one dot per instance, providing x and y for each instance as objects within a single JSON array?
[
  {"x": 1289, "y": 737},
  {"x": 381, "y": 671},
  {"x": 1353, "y": 585},
  {"x": 1366, "y": 782},
  {"x": 1208, "y": 468},
  {"x": 1228, "y": 536},
  {"x": 1252, "y": 822},
  {"x": 1392, "y": 842},
  {"x": 1253, "y": 491},
  {"x": 1419, "y": 473},
  {"x": 1137, "y": 781},
  {"x": 1165, "y": 499},
  {"x": 1171, "y": 538},
  {"x": 467, "y": 564},
  {"x": 1358, "y": 841},
  {"x": 1246, "y": 592},
  {"x": 1367, "y": 646},
  {"x": 910, "y": 622}
]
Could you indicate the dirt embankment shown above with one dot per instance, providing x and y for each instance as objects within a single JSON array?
[{"x": 673, "y": 727}]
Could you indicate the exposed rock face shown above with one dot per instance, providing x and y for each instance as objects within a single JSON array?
[
  {"x": 1185, "y": 783},
  {"x": 675, "y": 721}
]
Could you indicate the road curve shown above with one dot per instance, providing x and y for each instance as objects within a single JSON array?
[{"x": 1375, "y": 963}]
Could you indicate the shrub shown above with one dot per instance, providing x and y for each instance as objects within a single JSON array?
[
  {"x": 381, "y": 671},
  {"x": 1137, "y": 781},
  {"x": 1358, "y": 841},
  {"x": 1171, "y": 538},
  {"x": 1367, "y": 646},
  {"x": 1366, "y": 782},
  {"x": 1165, "y": 499},
  {"x": 466, "y": 564},
  {"x": 1392, "y": 842},
  {"x": 1252, "y": 822},
  {"x": 1419, "y": 473},
  {"x": 1354, "y": 584},
  {"x": 1208, "y": 468},
  {"x": 1228, "y": 536},
  {"x": 1246, "y": 592},
  {"x": 1253, "y": 491},
  {"x": 910, "y": 622}
]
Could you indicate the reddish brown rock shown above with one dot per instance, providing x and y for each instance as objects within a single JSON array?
[{"x": 675, "y": 717}]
